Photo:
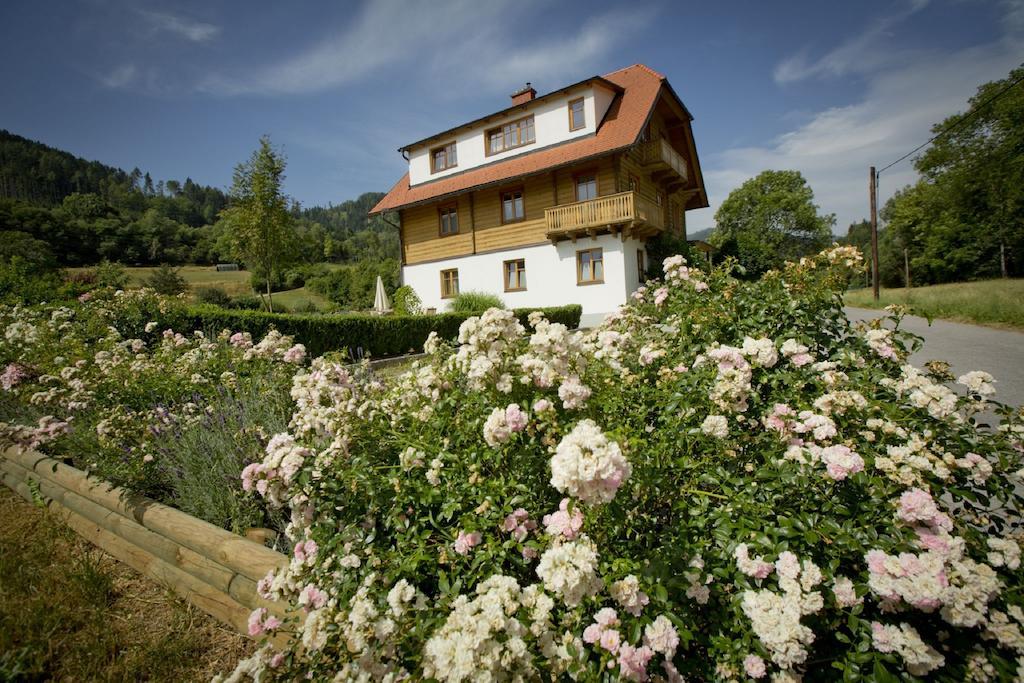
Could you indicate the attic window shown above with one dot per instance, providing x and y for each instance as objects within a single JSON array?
[
  {"x": 443, "y": 157},
  {"x": 577, "y": 119},
  {"x": 510, "y": 136}
]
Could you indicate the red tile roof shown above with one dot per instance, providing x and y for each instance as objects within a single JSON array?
[{"x": 621, "y": 127}]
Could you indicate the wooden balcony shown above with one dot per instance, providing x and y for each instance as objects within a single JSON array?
[
  {"x": 625, "y": 213},
  {"x": 663, "y": 160}
]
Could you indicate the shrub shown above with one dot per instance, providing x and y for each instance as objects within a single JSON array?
[
  {"x": 167, "y": 280},
  {"x": 406, "y": 301},
  {"x": 246, "y": 302},
  {"x": 259, "y": 283},
  {"x": 213, "y": 295},
  {"x": 111, "y": 274},
  {"x": 474, "y": 302},
  {"x": 354, "y": 286},
  {"x": 725, "y": 480},
  {"x": 21, "y": 282},
  {"x": 361, "y": 334}
]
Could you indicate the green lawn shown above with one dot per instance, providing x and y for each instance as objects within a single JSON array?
[
  {"x": 999, "y": 303},
  {"x": 233, "y": 282},
  {"x": 301, "y": 297}
]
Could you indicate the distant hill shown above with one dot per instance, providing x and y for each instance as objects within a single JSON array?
[
  {"x": 355, "y": 235},
  {"x": 83, "y": 211},
  {"x": 700, "y": 234},
  {"x": 40, "y": 175}
]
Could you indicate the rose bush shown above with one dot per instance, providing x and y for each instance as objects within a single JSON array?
[
  {"x": 725, "y": 480},
  {"x": 75, "y": 387}
]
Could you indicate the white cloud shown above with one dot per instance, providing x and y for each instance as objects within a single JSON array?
[
  {"x": 195, "y": 31},
  {"x": 547, "y": 62},
  {"x": 860, "y": 53},
  {"x": 466, "y": 36},
  {"x": 835, "y": 147},
  {"x": 120, "y": 76}
]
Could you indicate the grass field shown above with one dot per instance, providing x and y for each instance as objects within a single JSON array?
[
  {"x": 234, "y": 283},
  {"x": 70, "y": 612},
  {"x": 998, "y": 303}
]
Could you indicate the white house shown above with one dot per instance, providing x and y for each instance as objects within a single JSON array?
[{"x": 550, "y": 201}]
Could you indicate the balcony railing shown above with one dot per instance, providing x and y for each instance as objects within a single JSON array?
[
  {"x": 660, "y": 153},
  {"x": 611, "y": 211}
]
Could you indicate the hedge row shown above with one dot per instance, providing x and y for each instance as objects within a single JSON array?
[{"x": 358, "y": 334}]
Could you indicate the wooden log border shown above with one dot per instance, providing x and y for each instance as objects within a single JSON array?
[{"x": 213, "y": 569}]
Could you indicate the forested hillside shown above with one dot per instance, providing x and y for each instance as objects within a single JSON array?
[{"x": 61, "y": 209}]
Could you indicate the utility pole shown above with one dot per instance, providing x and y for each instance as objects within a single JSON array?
[{"x": 872, "y": 190}]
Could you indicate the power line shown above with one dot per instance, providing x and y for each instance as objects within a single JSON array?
[{"x": 955, "y": 125}]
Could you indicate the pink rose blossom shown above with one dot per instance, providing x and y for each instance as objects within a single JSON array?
[
  {"x": 633, "y": 662},
  {"x": 295, "y": 354},
  {"x": 660, "y": 295},
  {"x": 917, "y": 505},
  {"x": 465, "y": 542},
  {"x": 562, "y": 522},
  {"x": 305, "y": 551},
  {"x": 312, "y": 598},
  {"x": 610, "y": 640},
  {"x": 542, "y": 405},
  {"x": 515, "y": 417},
  {"x": 801, "y": 359},
  {"x": 754, "y": 666},
  {"x": 518, "y": 524},
  {"x": 260, "y": 623},
  {"x": 841, "y": 462}
]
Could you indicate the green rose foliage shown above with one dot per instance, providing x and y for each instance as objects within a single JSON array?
[{"x": 726, "y": 479}]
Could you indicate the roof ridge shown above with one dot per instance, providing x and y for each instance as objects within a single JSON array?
[{"x": 638, "y": 65}]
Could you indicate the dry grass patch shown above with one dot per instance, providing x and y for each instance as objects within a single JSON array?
[{"x": 70, "y": 612}]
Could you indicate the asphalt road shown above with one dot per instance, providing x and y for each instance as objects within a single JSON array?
[{"x": 966, "y": 348}]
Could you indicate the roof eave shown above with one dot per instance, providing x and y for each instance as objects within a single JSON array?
[{"x": 494, "y": 183}]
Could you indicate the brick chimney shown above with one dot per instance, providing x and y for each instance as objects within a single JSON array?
[{"x": 523, "y": 95}]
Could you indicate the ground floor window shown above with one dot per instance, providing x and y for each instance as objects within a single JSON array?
[
  {"x": 449, "y": 283},
  {"x": 589, "y": 266},
  {"x": 515, "y": 275},
  {"x": 640, "y": 265}
]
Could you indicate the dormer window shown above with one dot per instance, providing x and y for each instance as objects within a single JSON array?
[
  {"x": 577, "y": 118},
  {"x": 443, "y": 157},
  {"x": 511, "y": 135}
]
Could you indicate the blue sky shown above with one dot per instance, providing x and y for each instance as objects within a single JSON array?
[{"x": 186, "y": 88}]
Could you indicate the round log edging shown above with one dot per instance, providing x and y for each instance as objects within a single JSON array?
[{"x": 210, "y": 567}]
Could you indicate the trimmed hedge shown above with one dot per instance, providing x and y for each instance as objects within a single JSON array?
[{"x": 357, "y": 334}]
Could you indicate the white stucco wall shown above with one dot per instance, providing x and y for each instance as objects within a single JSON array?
[
  {"x": 602, "y": 100},
  {"x": 550, "y": 126},
  {"x": 550, "y": 275}
]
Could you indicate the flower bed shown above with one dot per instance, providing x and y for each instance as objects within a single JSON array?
[
  {"x": 725, "y": 481},
  {"x": 165, "y": 415}
]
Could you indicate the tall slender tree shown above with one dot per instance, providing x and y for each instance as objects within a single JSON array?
[{"x": 262, "y": 227}]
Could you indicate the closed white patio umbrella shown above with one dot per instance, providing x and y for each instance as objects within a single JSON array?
[{"x": 380, "y": 299}]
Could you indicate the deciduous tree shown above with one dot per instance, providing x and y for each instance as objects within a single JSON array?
[
  {"x": 262, "y": 228},
  {"x": 770, "y": 219}
]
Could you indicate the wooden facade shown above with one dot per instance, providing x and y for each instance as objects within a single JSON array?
[{"x": 640, "y": 192}]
